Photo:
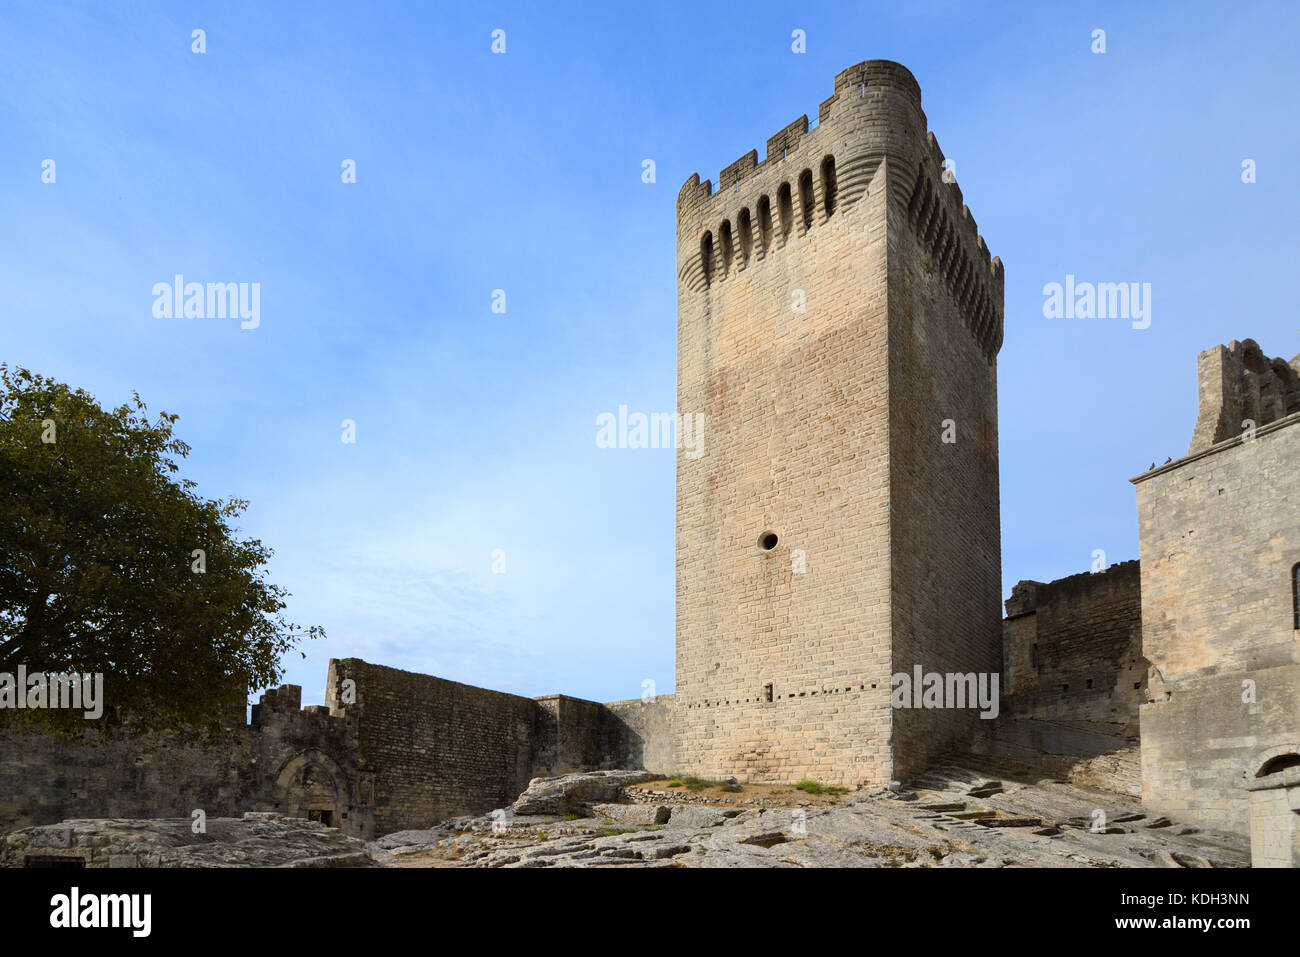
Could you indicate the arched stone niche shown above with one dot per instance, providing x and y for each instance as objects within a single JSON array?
[
  {"x": 312, "y": 784},
  {"x": 1275, "y": 807}
]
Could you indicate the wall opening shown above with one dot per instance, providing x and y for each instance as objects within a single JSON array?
[
  {"x": 765, "y": 222},
  {"x": 767, "y": 541},
  {"x": 725, "y": 235},
  {"x": 706, "y": 256},
  {"x": 312, "y": 785},
  {"x": 767, "y": 691},
  {"x": 1295, "y": 596},
  {"x": 1279, "y": 764},
  {"x": 828, "y": 185},
  {"x": 746, "y": 236},
  {"x": 806, "y": 198},
  {"x": 786, "y": 206}
]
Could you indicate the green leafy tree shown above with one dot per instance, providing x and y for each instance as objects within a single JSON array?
[{"x": 109, "y": 563}]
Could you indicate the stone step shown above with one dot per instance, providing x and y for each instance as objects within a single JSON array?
[{"x": 1011, "y": 821}]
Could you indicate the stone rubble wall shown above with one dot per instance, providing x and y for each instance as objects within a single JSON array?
[{"x": 1072, "y": 648}]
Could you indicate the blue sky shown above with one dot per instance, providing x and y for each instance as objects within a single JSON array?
[{"x": 476, "y": 431}]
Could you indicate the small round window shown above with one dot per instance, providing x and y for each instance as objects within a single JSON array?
[{"x": 767, "y": 541}]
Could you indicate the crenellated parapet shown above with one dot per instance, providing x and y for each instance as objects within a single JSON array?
[
  {"x": 873, "y": 120},
  {"x": 1239, "y": 387},
  {"x": 946, "y": 230},
  {"x": 281, "y": 708}
]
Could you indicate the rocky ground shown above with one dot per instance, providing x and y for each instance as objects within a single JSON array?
[
  {"x": 951, "y": 817},
  {"x": 255, "y": 840}
]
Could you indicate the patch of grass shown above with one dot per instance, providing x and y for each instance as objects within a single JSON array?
[
  {"x": 809, "y": 786},
  {"x": 542, "y": 835},
  {"x": 688, "y": 781},
  {"x": 575, "y": 816},
  {"x": 611, "y": 831},
  {"x": 938, "y": 828},
  {"x": 695, "y": 783}
]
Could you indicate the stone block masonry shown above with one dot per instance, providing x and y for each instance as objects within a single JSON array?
[
  {"x": 1220, "y": 541},
  {"x": 1275, "y": 812},
  {"x": 642, "y": 733},
  {"x": 435, "y": 748},
  {"x": 299, "y": 762},
  {"x": 1237, "y": 385},
  {"x": 837, "y": 314},
  {"x": 1072, "y": 649},
  {"x": 391, "y": 751}
]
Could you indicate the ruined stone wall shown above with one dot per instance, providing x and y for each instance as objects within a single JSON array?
[
  {"x": 641, "y": 734},
  {"x": 569, "y": 733},
  {"x": 787, "y": 345},
  {"x": 1238, "y": 384},
  {"x": 395, "y": 750},
  {"x": 1220, "y": 536},
  {"x": 45, "y": 778},
  {"x": 1073, "y": 648},
  {"x": 436, "y": 748},
  {"x": 1019, "y": 646}
]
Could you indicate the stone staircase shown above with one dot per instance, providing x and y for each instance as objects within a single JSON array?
[{"x": 956, "y": 798}]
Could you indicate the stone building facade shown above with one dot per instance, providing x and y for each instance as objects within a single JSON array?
[
  {"x": 1220, "y": 546},
  {"x": 839, "y": 320}
]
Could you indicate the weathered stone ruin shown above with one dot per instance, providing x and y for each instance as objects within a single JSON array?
[
  {"x": 390, "y": 750},
  {"x": 839, "y": 322}
]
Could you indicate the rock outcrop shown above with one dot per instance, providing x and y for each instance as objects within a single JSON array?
[
  {"x": 950, "y": 817},
  {"x": 569, "y": 792},
  {"x": 255, "y": 840}
]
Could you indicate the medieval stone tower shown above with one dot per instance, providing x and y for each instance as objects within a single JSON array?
[{"x": 839, "y": 320}]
